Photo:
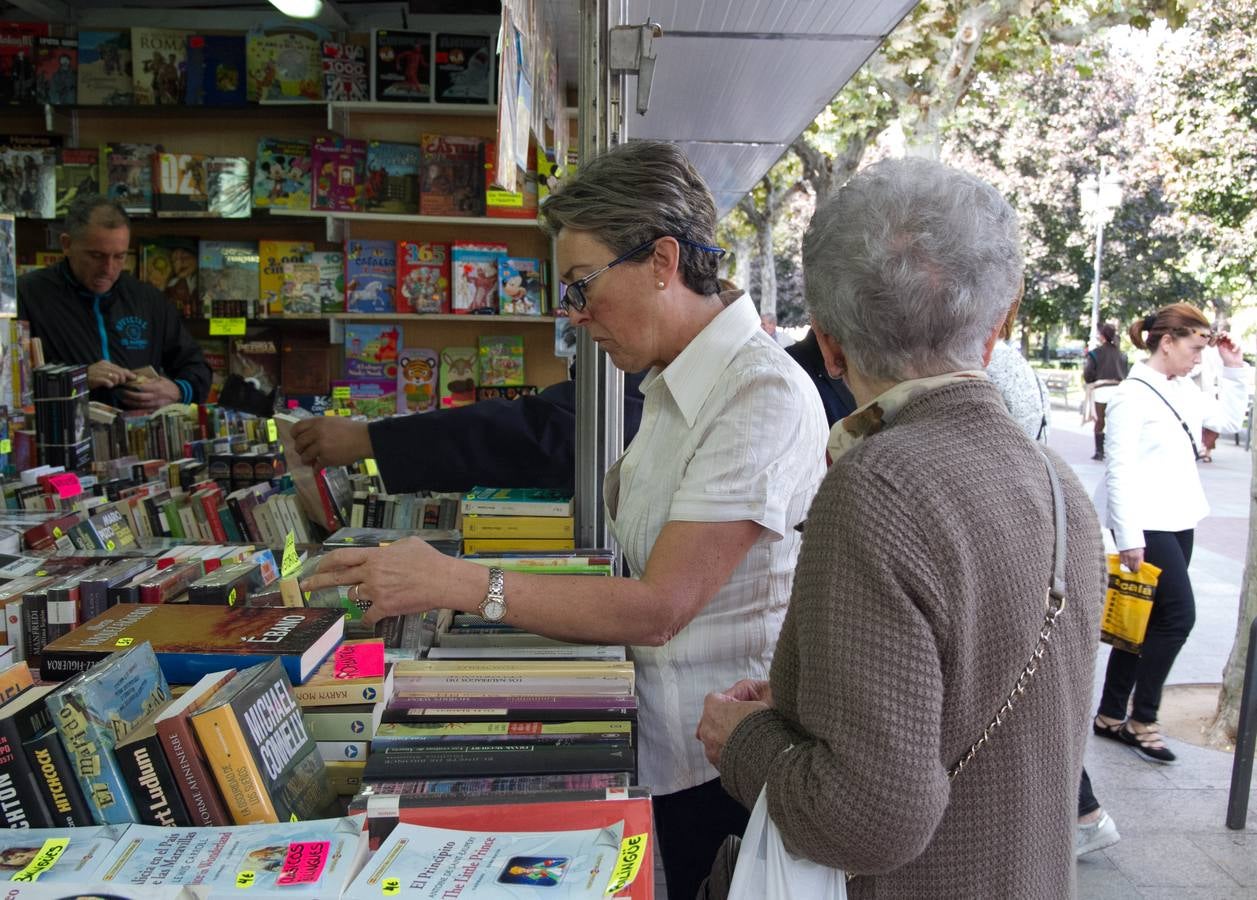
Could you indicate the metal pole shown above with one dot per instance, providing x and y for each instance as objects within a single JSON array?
[
  {"x": 1245, "y": 740},
  {"x": 1095, "y": 299}
]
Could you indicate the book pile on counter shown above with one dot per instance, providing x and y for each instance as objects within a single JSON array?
[{"x": 517, "y": 520}]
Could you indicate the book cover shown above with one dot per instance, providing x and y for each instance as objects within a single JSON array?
[
  {"x": 229, "y": 270},
  {"x": 350, "y": 723},
  {"x": 64, "y": 860},
  {"x": 389, "y": 761},
  {"x": 401, "y": 63},
  {"x": 344, "y": 72},
  {"x": 28, "y": 175},
  {"x": 475, "y": 273},
  {"x": 452, "y": 176},
  {"x": 423, "y": 277},
  {"x": 192, "y": 640},
  {"x": 457, "y": 378},
  {"x": 56, "y": 70},
  {"x": 271, "y": 258},
  {"x": 126, "y": 175},
  {"x": 488, "y": 501},
  {"x": 505, "y": 527},
  {"x": 370, "y": 350},
  {"x": 464, "y": 68},
  {"x": 281, "y": 176},
  {"x": 306, "y": 362},
  {"x": 184, "y": 754},
  {"x": 54, "y": 772},
  {"x": 370, "y": 276},
  {"x": 392, "y": 180},
  {"x": 494, "y": 546},
  {"x": 22, "y": 718},
  {"x": 148, "y": 776},
  {"x": 266, "y": 765},
  {"x": 331, "y": 265},
  {"x": 339, "y": 167},
  {"x": 284, "y": 66},
  {"x": 179, "y": 185},
  {"x": 13, "y": 680},
  {"x": 8, "y": 264},
  {"x": 229, "y": 186},
  {"x": 17, "y": 60},
  {"x": 216, "y": 70},
  {"x": 501, "y": 204},
  {"x": 506, "y": 709},
  {"x": 96, "y": 708},
  {"x": 469, "y": 732},
  {"x": 300, "y": 294},
  {"x": 522, "y": 290},
  {"x": 159, "y": 60},
  {"x": 417, "y": 380},
  {"x": 78, "y": 175},
  {"x": 344, "y": 680},
  {"x": 371, "y": 397},
  {"x": 501, "y": 359},
  {"x": 104, "y": 77}
]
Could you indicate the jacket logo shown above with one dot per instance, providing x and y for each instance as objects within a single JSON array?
[{"x": 134, "y": 332}]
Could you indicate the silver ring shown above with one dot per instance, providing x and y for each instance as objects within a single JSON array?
[
  {"x": 363, "y": 605},
  {"x": 353, "y": 592}
]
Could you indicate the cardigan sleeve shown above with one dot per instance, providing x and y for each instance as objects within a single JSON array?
[{"x": 1225, "y": 415}]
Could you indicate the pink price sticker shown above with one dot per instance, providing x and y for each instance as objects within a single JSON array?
[
  {"x": 66, "y": 484},
  {"x": 365, "y": 660},
  {"x": 304, "y": 862}
]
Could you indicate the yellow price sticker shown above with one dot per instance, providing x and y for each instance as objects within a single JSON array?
[
  {"x": 57, "y": 532},
  {"x": 231, "y": 598},
  {"x": 341, "y": 392},
  {"x": 290, "y": 563},
  {"x": 372, "y": 468},
  {"x": 110, "y": 545},
  {"x": 329, "y": 412},
  {"x": 245, "y": 879},
  {"x": 344, "y": 412},
  {"x": 627, "y": 865},
  {"x": 391, "y": 886},
  {"x": 44, "y": 860},
  {"x": 293, "y": 818},
  {"x": 6, "y": 446},
  {"x": 124, "y": 642},
  {"x": 272, "y": 433},
  {"x": 228, "y": 327}
]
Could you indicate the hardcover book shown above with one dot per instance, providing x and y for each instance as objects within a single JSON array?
[
  {"x": 229, "y": 186},
  {"x": 370, "y": 397},
  {"x": 370, "y": 276},
  {"x": 191, "y": 641},
  {"x": 216, "y": 70},
  {"x": 104, "y": 77},
  {"x": 179, "y": 185},
  {"x": 401, "y": 64},
  {"x": 392, "y": 182},
  {"x": 55, "y": 775},
  {"x": 281, "y": 176},
  {"x": 56, "y": 70},
  {"x": 300, "y": 294},
  {"x": 78, "y": 175},
  {"x": 266, "y": 765},
  {"x": 423, "y": 277},
  {"x": 331, "y": 265},
  {"x": 417, "y": 380},
  {"x": 96, "y": 708},
  {"x": 284, "y": 66},
  {"x": 229, "y": 270},
  {"x": 457, "y": 379},
  {"x": 271, "y": 258},
  {"x": 452, "y": 177},
  {"x": 520, "y": 203},
  {"x": 148, "y": 776},
  {"x": 370, "y": 351},
  {"x": 464, "y": 68},
  {"x": 159, "y": 61},
  {"x": 126, "y": 175},
  {"x": 184, "y": 754},
  {"x": 339, "y": 168},
  {"x": 476, "y": 276},
  {"x": 22, "y": 718},
  {"x": 501, "y": 359},
  {"x": 522, "y": 289},
  {"x": 344, "y": 72}
]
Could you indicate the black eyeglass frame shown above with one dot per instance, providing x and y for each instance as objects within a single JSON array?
[{"x": 574, "y": 299}]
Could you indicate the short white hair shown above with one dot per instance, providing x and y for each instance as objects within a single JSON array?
[{"x": 911, "y": 266}]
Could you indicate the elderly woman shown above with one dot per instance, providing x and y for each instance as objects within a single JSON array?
[
  {"x": 920, "y": 592},
  {"x": 704, "y": 502}
]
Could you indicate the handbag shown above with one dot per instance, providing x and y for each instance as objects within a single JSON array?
[
  {"x": 766, "y": 870},
  {"x": 1128, "y": 604}
]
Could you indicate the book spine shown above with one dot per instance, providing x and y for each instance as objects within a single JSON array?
[
  {"x": 153, "y": 789},
  {"x": 192, "y": 775},
  {"x": 21, "y": 804},
  {"x": 325, "y": 694},
  {"x": 63, "y": 665},
  {"x": 94, "y": 763},
  {"x": 444, "y": 761},
  {"x": 338, "y": 726},
  {"x": 62, "y": 610},
  {"x": 35, "y": 625},
  {"x": 93, "y": 598},
  {"x": 234, "y": 769},
  {"x": 55, "y": 776}
]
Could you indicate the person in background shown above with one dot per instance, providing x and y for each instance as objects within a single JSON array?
[
  {"x": 1023, "y": 391},
  {"x": 1152, "y": 499},
  {"x": 919, "y": 593},
  {"x": 768, "y": 321},
  {"x": 1104, "y": 370},
  {"x": 705, "y": 502},
  {"x": 87, "y": 309}
]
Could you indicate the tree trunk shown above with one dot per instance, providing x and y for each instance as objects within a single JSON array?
[
  {"x": 1226, "y": 720},
  {"x": 743, "y": 246},
  {"x": 767, "y": 267}
]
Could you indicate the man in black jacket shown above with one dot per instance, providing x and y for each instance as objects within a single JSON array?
[{"x": 86, "y": 309}]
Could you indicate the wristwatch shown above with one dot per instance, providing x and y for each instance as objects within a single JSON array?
[{"x": 493, "y": 606}]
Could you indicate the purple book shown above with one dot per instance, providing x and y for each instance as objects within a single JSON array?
[
  {"x": 340, "y": 168},
  {"x": 529, "y": 708}
]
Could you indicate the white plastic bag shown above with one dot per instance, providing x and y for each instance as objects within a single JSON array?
[{"x": 766, "y": 870}]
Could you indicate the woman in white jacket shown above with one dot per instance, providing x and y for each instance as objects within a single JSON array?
[{"x": 1152, "y": 500}]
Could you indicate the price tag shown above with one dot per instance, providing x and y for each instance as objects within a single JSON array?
[
  {"x": 272, "y": 433},
  {"x": 289, "y": 565},
  {"x": 391, "y": 886},
  {"x": 364, "y": 660},
  {"x": 627, "y": 865},
  {"x": 245, "y": 879},
  {"x": 504, "y": 198},
  {"x": 231, "y": 598},
  {"x": 228, "y": 327},
  {"x": 124, "y": 642},
  {"x": 372, "y": 469},
  {"x": 304, "y": 862},
  {"x": 44, "y": 860},
  {"x": 6, "y": 446},
  {"x": 341, "y": 392},
  {"x": 344, "y": 412}
]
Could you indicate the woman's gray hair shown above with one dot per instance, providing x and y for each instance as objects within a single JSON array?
[
  {"x": 911, "y": 266},
  {"x": 633, "y": 193}
]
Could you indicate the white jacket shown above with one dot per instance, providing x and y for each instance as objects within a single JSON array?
[{"x": 1151, "y": 482}]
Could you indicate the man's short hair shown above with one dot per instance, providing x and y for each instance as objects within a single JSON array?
[{"x": 93, "y": 209}]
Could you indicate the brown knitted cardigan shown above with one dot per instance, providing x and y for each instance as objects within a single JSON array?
[{"x": 918, "y": 597}]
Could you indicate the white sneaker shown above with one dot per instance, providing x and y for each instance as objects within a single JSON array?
[{"x": 1095, "y": 836}]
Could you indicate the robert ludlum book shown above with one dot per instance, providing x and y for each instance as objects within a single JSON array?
[{"x": 267, "y": 767}]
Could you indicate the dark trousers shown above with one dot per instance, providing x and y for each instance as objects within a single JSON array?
[
  {"x": 1087, "y": 802},
  {"x": 1100, "y": 409},
  {"x": 691, "y": 825},
  {"x": 1173, "y": 615}
]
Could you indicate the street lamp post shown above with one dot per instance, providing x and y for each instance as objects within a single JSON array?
[{"x": 1099, "y": 197}]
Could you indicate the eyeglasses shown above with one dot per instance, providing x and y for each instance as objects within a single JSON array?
[
  {"x": 574, "y": 298},
  {"x": 1211, "y": 337}
]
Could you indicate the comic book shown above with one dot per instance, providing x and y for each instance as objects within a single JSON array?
[
  {"x": 300, "y": 294},
  {"x": 159, "y": 62},
  {"x": 417, "y": 380},
  {"x": 392, "y": 182},
  {"x": 281, "y": 176},
  {"x": 501, "y": 360},
  {"x": 401, "y": 66},
  {"x": 78, "y": 175},
  {"x": 126, "y": 175},
  {"x": 284, "y": 65},
  {"x": 170, "y": 265},
  {"x": 370, "y": 351},
  {"x": 370, "y": 276},
  {"x": 228, "y": 271},
  {"x": 522, "y": 289},
  {"x": 229, "y": 186},
  {"x": 216, "y": 70},
  {"x": 179, "y": 187},
  {"x": 17, "y": 61},
  {"x": 339, "y": 167},
  {"x": 28, "y": 175},
  {"x": 475, "y": 278},
  {"x": 458, "y": 376},
  {"x": 8, "y": 265},
  {"x": 56, "y": 70},
  {"x": 452, "y": 176},
  {"x": 423, "y": 277},
  {"x": 344, "y": 72},
  {"x": 105, "y": 68},
  {"x": 464, "y": 68},
  {"x": 331, "y": 265},
  {"x": 271, "y": 258}
]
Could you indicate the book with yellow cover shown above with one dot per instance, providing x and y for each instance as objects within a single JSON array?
[
  {"x": 516, "y": 545},
  {"x": 271, "y": 258},
  {"x": 531, "y": 527},
  {"x": 13, "y": 680},
  {"x": 349, "y": 676}
]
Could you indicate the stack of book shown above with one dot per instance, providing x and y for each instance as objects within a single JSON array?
[{"x": 516, "y": 520}]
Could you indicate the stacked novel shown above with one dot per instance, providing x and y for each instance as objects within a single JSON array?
[{"x": 516, "y": 520}]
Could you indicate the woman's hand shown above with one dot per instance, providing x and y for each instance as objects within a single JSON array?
[
  {"x": 1232, "y": 356},
  {"x": 1132, "y": 559},
  {"x": 752, "y": 689},
  {"x": 721, "y": 714},
  {"x": 397, "y": 579}
]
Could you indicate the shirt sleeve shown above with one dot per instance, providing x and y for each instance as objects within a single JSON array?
[
  {"x": 1225, "y": 414},
  {"x": 746, "y": 466},
  {"x": 1123, "y": 427},
  {"x": 182, "y": 360}
]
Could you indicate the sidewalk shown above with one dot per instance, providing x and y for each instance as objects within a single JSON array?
[{"x": 1175, "y": 843}]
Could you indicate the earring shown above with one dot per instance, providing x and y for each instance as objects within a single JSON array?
[{"x": 660, "y": 285}]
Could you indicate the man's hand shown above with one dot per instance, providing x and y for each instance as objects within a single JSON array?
[
  {"x": 151, "y": 394},
  {"x": 105, "y": 374},
  {"x": 331, "y": 441}
]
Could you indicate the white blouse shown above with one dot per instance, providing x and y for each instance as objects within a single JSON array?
[
  {"x": 1151, "y": 482},
  {"x": 732, "y": 430}
]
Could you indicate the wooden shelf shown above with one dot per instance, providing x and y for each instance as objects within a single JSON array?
[
  {"x": 426, "y": 109},
  {"x": 402, "y": 218}
]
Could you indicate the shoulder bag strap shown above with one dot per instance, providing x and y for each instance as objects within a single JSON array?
[{"x": 1187, "y": 431}]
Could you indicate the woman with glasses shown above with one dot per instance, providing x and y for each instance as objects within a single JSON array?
[
  {"x": 1152, "y": 499},
  {"x": 704, "y": 502}
]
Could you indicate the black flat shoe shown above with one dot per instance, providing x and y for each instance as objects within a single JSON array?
[
  {"x": 1112, "y": 732},
  {"x": 1141, "y": 741}
]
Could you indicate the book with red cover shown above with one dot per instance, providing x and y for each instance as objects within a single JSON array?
[{"x": 185, "y": 756}]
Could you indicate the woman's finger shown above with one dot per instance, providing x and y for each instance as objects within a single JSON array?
[{"x": 344, "y": 559}]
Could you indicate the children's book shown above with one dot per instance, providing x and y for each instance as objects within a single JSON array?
[
  {"x": 344, "y": 72},
  {"x": 284, "y": 65},
  {"x": 229, "y": 186},
  {"x": 179, "y": 185},
  {"x": 370, "y": 351},
  {"x": 126, "y": 175},
  {"x": 28, "y": 175},
  {"x": 339, "y": 168},
  {"x": 281, "y": 176},
  {"x": 17, "y": 61},
  {"x": 522, "y": 290},
  {"x": 216, "y": 70},
  {"x": 228, "y": 271},
  {"x": 96, "y": 708},
  {"x": 56, "y": 70},
  {"x": 464, "y": 68},
  {"x": 159, "y": 61},
  {"x": 104, "y": 77},
  {"x": 78, "y": 175},
  {"x": 331, "y": 265},
  {"x": 300, "y": 292},
  {"x": 272, "y": 255},
  {"x": 476, "y": 276},
  {"x": 501, "y": 360},
  {"x": 417, "y": 380},
  {"x": 370, "y": 276},
  {"x": 452, "y": 177},
  {"x": 423, "y": 277},
  {"x": 401, "y": 66},
  {"x": 370, "y": 397},
  {"x": 458, "y": 376},
  {"x": 520, "y": 203},
  {"x": 392, "y": 182}
]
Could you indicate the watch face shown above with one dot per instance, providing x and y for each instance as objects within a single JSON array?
[{"x": 494, "y": 610}]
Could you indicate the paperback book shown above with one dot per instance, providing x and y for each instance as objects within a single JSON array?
[
  {"x": 501, "y": 360},
  {"x": 281, "y": 176},
  {"x": 300, "y": 293},
  {"x": 17, "y": 60},
  {"x": 464, "y": 68},
  {"x": 284, "y": 66},
  {"x": 216, "y": 70},
  {"x": 56, "y": 70},
  {"x": 339, "y": 166},
  {"x": 331, "y": 265},
  {"x": 476, "y": 274},
  {"x": 126, "y": 175},
  {"x": 179, "y": 185},
  {"x": 392, "y": 181},
  {"x": 370, "y": 351},
  {"x": 78, "y": 175},
  {"x": 228, "y": 271},
  {"x": 423, "y": 277},
  {"x": 417, "y": 380},
  {"x": 344, "y": 72},
  {"x": 170, "y": 265},
  {"x": 370, "y": 276},
  {"x": 272, "y": 256},
  {"x": 229, "y": 186},
  {"x": 62, "y": 859},
  {"x": 488, "y": 501},
  {"x": 28, "y": 175},
  {"x": 184, "y": 754},
  {"x": 401, "y": 66},
  {"x": 522, "y": 288},
  {"x": 104, "y": 77},
  {"x": 159, "y": 66},
  {"x": 458, "y": 375},
  {"x": 452, "y": 182}
]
